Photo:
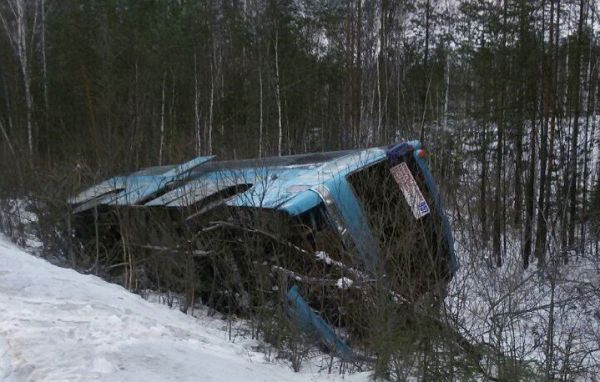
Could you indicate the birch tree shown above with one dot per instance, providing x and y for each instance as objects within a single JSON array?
[
  {"x": 14, "y": 19},
  {"x": 278, "y": 96}
]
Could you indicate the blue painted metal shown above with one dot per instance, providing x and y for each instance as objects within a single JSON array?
[
  {"x": 396, "y": 154},
  {"x": 439, "y": 207},
  {"x": 293, "y": 185},
  {"x": 354, "y": 220},
  {"x": 313, "y": 324},
  {"x": 136, "y": 187},
  {"x": 289, "y": 184}
]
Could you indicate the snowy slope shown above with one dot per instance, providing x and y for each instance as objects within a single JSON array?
[
  {"x": 59, "y": 325},
  {"x": 510, "y": 308}
]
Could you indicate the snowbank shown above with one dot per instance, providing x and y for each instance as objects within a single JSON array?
[{"x": 59, "y": 325}]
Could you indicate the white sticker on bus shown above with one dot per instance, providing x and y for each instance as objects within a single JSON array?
[{"x": 410, "y": 190}]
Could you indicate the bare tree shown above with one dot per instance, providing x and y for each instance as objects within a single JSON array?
[
  {"x": 197, "y": 110},
  {"x": 278, "y": 96},
  {"x": 14, "y": 22},
  {"x": 162, "y": 121}
]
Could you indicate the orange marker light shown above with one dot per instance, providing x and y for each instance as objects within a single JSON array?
[{"x": 421, "y": 153}]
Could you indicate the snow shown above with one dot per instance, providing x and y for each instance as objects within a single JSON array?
[
  {"x": 510, "y": 308},
  {"x": 17, "y": 218},
  {"x": 344, "y": 283},
  {"x": 60, "y": 325}
]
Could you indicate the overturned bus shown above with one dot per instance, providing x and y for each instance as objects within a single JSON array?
[{"x": 314, "y": 231}]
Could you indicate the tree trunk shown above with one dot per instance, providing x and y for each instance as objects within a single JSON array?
[
  {"x": 260, "y": 106},
  {"x": 425, "y": 70},
  {"x": 162, "y": 121},
  {"x": 278, "y": 97},
  {"x": 197, "y": 111},
  {"x": 45, "y": 73},
  {"x": 548, "y": 103},
  {"x": 575, "y": 137},
  {"x": 211, "y": 103},
  {"x": 530, "y": 192}
]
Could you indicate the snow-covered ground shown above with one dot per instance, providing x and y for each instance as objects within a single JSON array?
[
  {"x": 521, "y": 313},
  {"x": 59, "y": 325}
]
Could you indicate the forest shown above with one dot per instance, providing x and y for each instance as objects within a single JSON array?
[{"x": 504, "y": 95}]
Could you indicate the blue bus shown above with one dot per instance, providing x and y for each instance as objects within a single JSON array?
[{"x": 321, "y": 229}]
